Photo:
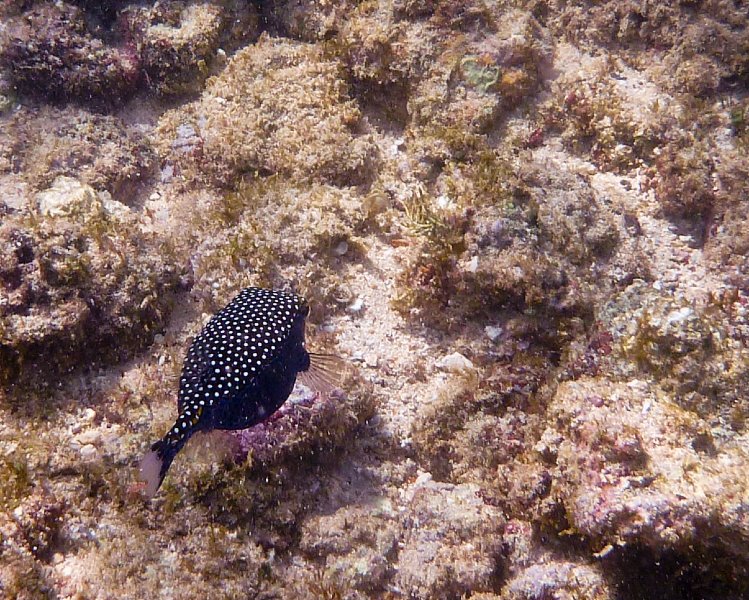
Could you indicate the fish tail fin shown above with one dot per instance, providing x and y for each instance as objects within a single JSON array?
[
  {"x": 155, "y": 464},
  {"x": 326, "y": 372}
]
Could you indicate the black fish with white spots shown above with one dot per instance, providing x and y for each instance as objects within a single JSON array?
[{"x": 238, "y": 371}]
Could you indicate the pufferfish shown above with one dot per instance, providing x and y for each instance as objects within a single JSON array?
[{"x": 239, "y": 370}]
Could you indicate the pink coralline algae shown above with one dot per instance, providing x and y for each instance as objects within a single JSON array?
[
  {"x": 288, "y": 429},
  {"x": 638, "y": 469}
]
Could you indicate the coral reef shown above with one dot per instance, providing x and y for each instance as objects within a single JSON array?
[
  {"x": 459, "y": 534},
  {"x": 726, "y": 238},
  {"x": 695, "y": 351},
  {"x": 274, "y": 233},
  {"x": 544, "y": 246},
  {"x": 471, "y": 85},
  {"x": 104, "y": 52},
  {"x": 521, "y": 225},
  {"x": 698, "y": 47},
  {"x": 464, "y": 433},
  {"x": 603, "y": 119},
  {"x": 307, "y": 21},
  {"x": 534, "y": 573},
  {"x": 357, "y": 543},
  {"x": 27, "y": 534}
]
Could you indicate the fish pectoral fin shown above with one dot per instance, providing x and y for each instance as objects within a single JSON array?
[{"x": 325, "y": 374}]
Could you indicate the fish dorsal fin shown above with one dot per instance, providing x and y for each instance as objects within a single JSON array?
[{"x": 325, "y": 374}]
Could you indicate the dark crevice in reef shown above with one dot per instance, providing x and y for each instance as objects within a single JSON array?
[
  {"x": 384, "y": 106},
  {"x": 673, "y": 576}
]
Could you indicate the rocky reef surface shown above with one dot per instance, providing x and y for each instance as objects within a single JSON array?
[{"x": 522, "y": 223}]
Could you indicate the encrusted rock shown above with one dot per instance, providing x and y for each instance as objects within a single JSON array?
[
  {"x": 51, "y": 50},
  {"x": 37, "y": 145},
  {"x": 451, "y": 542},
  {"x": 443, "y": 543},
  {"x": 635, "y": 469},
  {"x": 557, "y": 579},
  {"x": 76, "y": 278},
  {"x": 696, "y": 350},
  {"x": 177, "y": 42},
  {"x": 359, "y": 544},
  {"x": 278, "y": 107}
]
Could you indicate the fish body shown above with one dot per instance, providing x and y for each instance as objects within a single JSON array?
[{"x": 238, "y": 371}]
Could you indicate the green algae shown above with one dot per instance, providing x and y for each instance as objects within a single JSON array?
[
  {"x": 480, "y": 74},
  {"x": 16, "y": 478},
  {"x": 739, "y": 117},
  {"x": 441, "y": 228}
]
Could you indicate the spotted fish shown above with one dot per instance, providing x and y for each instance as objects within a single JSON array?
[{"x": 238, "y": 371}]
